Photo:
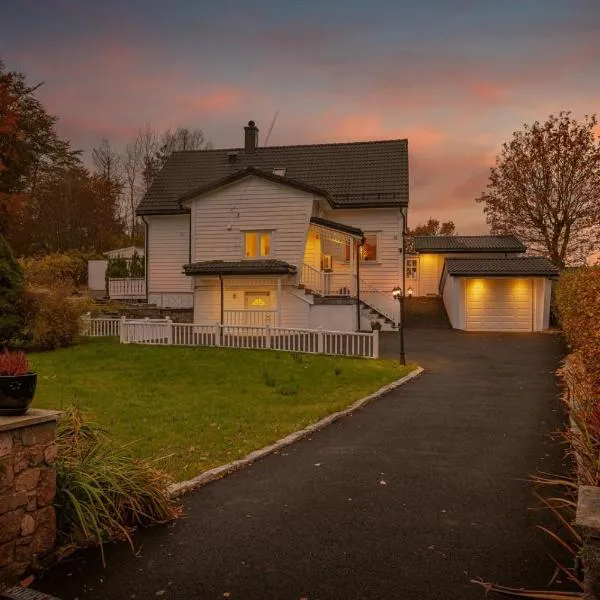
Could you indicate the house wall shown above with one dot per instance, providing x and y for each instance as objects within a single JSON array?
[
  {"x": 384, "y": 273},
  {"x": 453, "y": 301},
  {"x": 219, "y": 219},
  {"x": 168, "y": 250},
  {"x": 333, "y": 317},
  {"x": 312, "y": 251}
]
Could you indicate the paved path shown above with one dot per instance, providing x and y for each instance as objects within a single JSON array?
[{"x": 408, "y": 498}]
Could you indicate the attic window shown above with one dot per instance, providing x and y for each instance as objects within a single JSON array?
[{"x": 279, "y": 171}]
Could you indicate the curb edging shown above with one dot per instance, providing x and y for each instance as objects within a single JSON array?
[{"x": 178, "y": 489}]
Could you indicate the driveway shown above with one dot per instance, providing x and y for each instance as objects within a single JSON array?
[{"x": 409, "y": 498}]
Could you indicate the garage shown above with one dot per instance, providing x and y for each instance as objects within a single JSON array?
[
  {"x": 499, "y": 304},
  {"x": 498, "y": 294}
]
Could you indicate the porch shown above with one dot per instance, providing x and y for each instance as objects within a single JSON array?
[{"x": 331, "y": 267}]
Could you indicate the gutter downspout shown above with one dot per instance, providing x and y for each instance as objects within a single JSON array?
[
  {"x": 357, "y": 246},
  {"x": 146, "y": 256},
  {"x": 222, "y": 302}
]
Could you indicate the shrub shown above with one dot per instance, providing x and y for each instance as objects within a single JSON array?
[
  {"x": 117, "y": 268},
  {"x": 52, "y": 319},
  {"x": 578, "y": 307},
  {"x": 102, "y": 493},
  {"x": 67, "y": 270},
  {"x": 137, "y": 266},
  {"x": 11, "y": 286},
  {"x": 13, "y": 363}
]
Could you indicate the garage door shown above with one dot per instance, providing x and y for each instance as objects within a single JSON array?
[{"x": 499, "y": 304}]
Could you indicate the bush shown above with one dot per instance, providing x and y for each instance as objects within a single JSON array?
[
  {"x": 578, "y": 307},
  {"x": 52, "y": 319},
  {"x": 11, "y": 286},
  {"x": 117, "y": 268},
  {"x": 102, "y": 493},
  {"x": 68, "y": 270}
]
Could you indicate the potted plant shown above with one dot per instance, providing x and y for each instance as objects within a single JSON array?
[
  {"x": 376, "y": 325},
  {"x": 17, "y": 383}
]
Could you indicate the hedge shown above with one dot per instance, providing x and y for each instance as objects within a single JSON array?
[{"x": 578, "y": 307}]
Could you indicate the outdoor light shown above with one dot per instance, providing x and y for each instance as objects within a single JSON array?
[
  {"x": 398, "y": 295},
  {"x": 409, "y": 292}
]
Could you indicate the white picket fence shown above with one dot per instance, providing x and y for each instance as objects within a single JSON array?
[
  {"x": 99, "y": 327},
  {"x": 312, "y": 341}
]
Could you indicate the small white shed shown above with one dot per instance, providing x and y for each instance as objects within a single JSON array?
[{"x": 498, "y": 294}]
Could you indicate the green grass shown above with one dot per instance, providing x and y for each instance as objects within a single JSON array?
[{"x": 201, "y": 407}]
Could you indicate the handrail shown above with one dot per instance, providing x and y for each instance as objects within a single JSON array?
[{"x": 384, "y": 304}]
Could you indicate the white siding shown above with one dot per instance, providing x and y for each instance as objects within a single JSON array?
[
  {"x": 207, "y": 301},
  {"x": 333, "y": 317},
  {"x": 168, "y": 251},
  {"x": 97, "y": 274},
  {"x": 220, "y": 217},
  {"x": 385, "y": 273},
  {"x": 294, "y": 312},
  {"x": 452, "y": 300}
]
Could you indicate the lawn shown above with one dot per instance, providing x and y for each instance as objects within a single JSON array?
[{"x": 202, "y": 407}]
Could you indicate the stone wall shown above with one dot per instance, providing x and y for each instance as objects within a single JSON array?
[{"x": 27, "y": 490}]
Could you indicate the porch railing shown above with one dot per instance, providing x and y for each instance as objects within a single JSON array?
[
  {"x": 251, "y": 318},
  {"x": 325, "y": 283},
  {"x": 127, "y": 288}
]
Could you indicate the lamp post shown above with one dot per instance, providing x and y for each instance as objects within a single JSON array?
[{"x": 399, "y": 295}]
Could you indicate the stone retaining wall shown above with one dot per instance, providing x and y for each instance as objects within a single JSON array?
[{"x": 27, "y": 490}]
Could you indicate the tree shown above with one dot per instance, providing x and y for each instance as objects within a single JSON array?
[
  {"x": 11, "y": 283},
  {"x": 434, "y": 227},
  {"x": 545, "y": 189},
  {"x": 183, "y": 138},
  {"x": 29, "y": 145}
]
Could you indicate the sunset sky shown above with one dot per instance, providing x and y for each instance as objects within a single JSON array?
[{"x": 455, "y": 77}]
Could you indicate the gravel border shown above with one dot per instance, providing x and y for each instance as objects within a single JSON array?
[{"x": 178, "y": 489}]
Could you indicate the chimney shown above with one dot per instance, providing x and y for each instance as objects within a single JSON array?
[{"x": 250, "y": 137}]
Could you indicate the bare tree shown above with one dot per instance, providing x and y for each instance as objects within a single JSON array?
[{"x": 545, "y": 189}]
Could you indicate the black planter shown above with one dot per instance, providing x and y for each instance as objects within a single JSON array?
[{"x": 16, "y": 393}]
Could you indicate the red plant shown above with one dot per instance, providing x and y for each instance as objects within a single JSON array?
[{"x": 13, "y": 363}]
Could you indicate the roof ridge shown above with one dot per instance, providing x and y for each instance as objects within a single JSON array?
[{"x": 258, "y": 148}]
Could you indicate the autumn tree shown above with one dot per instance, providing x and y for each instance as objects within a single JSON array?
[
  {"x": 434, "y": 227},
  {"x": 545, "y": 189},
  {"x": 29, "y": 145}
]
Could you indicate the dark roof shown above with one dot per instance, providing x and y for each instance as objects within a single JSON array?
[
  {"x": 521, "y": 265},
  {"x": 239, "y": 267},
  {"x": 337, "y": 226},
  {"x": 247, "y": 172},
  {"x": 467, "y": 243},
  {"x": 355, "y": 175}
]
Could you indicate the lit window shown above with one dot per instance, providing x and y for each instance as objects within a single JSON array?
[
  {"x": 257, "y": 300},
  {"x": 257, "y": 244},
  {"x": 411, "y": 268},
  {"x": 279, "y": 171},
  {"x": 368, "y": 251}
]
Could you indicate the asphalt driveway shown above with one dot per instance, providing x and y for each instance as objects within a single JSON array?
[{"x": 409, "y": 498}]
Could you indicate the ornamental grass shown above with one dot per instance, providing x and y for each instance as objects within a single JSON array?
[{"x": 102, "y": 492}]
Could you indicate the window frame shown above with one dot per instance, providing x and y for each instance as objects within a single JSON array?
[
  {"x": 363, "y": 261},
  {"x": 259, "y": 233},
  {"x": 414, "y": 266}
]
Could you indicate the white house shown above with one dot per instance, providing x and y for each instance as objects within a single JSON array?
[{"x": 293, "y": 236}]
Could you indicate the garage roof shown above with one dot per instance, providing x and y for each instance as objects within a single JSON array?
[
  {"x": 467, "y": 243},
  {"x": 496, "y": 267}
]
